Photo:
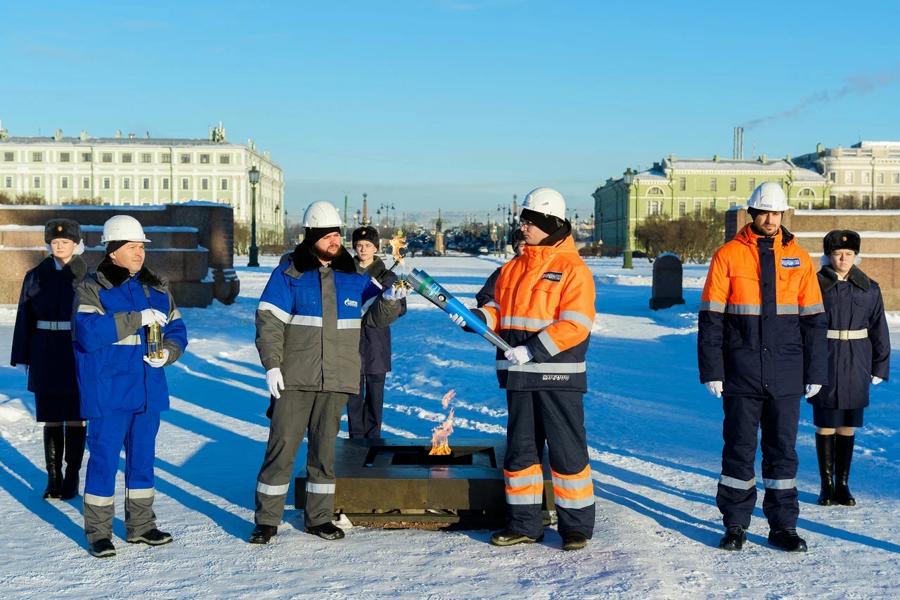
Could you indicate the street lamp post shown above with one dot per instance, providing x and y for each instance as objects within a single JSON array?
[
  {"x": 254, "y": 251},
  {"x": 628, "y": 179},
  {"x": 388, "y": 207}
]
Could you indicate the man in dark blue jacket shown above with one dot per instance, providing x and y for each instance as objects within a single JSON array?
[
  {"x": 760, "y": 346},
  {"x": 123, "y": 390}
]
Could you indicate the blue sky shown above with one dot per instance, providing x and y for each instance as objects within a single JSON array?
[{"x": 457, "y": 103}]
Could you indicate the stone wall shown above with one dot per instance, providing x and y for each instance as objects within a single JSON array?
[
  {"x": 878, "y": 229},
  {"x": 191, "y": 246}
]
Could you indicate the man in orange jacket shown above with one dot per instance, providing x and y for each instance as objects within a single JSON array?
[
  {"x": 544, "y": 308},
  {"x": 761, "y": 344}
]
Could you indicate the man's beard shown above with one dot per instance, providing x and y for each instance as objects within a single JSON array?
[
  {"x": 325, "y": 254},
  {"x": 758, "y": 230}
]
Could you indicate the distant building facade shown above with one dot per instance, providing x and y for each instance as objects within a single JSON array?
[
  {"x": 677, "y": 187},
  {"x": 132, "y": 171},
  {"x": 865, "y": 175}
]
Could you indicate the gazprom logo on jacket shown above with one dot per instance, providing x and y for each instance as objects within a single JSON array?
[
  {"x": 351, "y": 303},
  {"x": 552, "y": 276},
  {"x": 790, "y": 263}
]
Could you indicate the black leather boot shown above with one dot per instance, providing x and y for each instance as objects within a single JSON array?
[
  {"x": 825, "y": 453},
  {"x": 843, "y": 454},
  {"x": 74, "y": 454},
  {"x": 787, "y": 540},
  {"x": 262, "y": 534},
  {"x": 734, "y": 538},
  {"x": 326, "y": 531},
  {"x": 53, "y": 455}
]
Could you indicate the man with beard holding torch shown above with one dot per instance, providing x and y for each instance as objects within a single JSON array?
[{"x": 307, "y": 334}]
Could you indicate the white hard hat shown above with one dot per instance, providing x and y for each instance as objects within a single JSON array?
[
  {"x": 122, "y": 228},
  {"x": 321, "y": 214},
  {"x": 768, "y": 196},
  {"x": 546, "y": 201}
]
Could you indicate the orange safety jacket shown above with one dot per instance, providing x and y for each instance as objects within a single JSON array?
[
  {"x": 544, "y": 299},
  {"x": 762, "y": 323}
]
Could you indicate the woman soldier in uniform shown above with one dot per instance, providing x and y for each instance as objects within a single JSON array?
[
  {"x": 858, "y": 355},
  {"x": 42, "y": 345}
]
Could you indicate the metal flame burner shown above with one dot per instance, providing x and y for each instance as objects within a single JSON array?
[{"x": 396, "y": 480}]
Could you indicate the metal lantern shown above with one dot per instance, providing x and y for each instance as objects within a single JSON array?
[{"x": 155, "y": 341}]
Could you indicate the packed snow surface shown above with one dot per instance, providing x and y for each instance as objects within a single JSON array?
[{"x": 655, "y": 443}]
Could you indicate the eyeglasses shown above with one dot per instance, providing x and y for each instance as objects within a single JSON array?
[{"x": 525, "y": 223}]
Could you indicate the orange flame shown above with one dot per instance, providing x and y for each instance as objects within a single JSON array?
[
  {"x": 440, "y": 445},
  {"x": 445, "y": 401},
  {"x": 398, "y": 243}
]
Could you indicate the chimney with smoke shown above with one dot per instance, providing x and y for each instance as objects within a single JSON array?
[{"x": 738, "y": 151}]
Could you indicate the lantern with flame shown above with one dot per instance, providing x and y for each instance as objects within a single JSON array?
[{"x": 155, "y": 341}]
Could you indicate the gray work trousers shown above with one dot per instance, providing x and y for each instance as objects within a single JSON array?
[{"x": 292, "y": 415}]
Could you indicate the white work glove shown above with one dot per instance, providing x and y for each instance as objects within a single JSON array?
[
  {"x": 396, "y": 292},
  {"x": 457, "y": 319},
  {"x": 24, "y": 369},
  {"x": 518, "y": 355},
  {"x": 876, "y": 379},
  {"x": 275, "y": 382},
  {"x": 151, "y": 315},
  {"x": 812, "y": 389},
  {"x": 714, "y": 388},
  {"x": 157, "y": 362}
]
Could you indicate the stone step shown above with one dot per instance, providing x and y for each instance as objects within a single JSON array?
[{"x": 31, "y": 236}]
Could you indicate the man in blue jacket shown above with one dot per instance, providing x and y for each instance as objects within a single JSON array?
[
  {"x": 122, "y": 390},
  {"x": 307, "y": 334}
]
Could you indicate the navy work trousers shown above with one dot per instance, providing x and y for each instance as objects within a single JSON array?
[
  {"x": 364, "y": 410},
  {"x": 560, "y": 417},
  {"x": 777, "y": 417}
]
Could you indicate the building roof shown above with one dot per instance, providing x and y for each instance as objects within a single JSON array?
[
  {"x": 877, "y": 144},
  {"x": 124, "y": 141},
  {"x": 728, "y": 164},
  {"x": 657, "y": 172}
]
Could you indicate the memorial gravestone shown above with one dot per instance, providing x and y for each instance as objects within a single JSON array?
[{"x": 667, "y": 273}]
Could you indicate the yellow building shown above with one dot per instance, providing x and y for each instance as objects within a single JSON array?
[{"x": 677, "y": 187}]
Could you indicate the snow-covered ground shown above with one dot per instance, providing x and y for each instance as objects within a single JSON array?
[{"x": 654, "y": 436}]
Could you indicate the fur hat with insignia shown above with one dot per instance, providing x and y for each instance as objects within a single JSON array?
[
  {"x": 62, "y": 228},
  {"x": 366, "y": 232},
  {"x": 841, "y": 239}
]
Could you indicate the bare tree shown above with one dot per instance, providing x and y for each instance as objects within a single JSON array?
[{"x": 692, "y": 237}]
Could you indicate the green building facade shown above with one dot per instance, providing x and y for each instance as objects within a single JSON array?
[{"x": 677, "y": 187}]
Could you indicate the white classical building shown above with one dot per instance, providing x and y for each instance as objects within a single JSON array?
[
  {"x": 865, "y": 175},
  {"x": 128, "y": 170}
]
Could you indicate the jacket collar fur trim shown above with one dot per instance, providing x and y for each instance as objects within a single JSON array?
[
  {"x": 828, "y": 278},
  {"x": 304, "y": 260},
  {"x": 76, "y": 266},
  {"x": 110, "y": 276}
]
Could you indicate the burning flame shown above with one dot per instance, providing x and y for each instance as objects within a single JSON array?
[
  {"x": 440, "y": 445},
  {"x": 398, "y": 243},
  {"x": 398, "y": 247},
  {"x": 445, "y": 401}
]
